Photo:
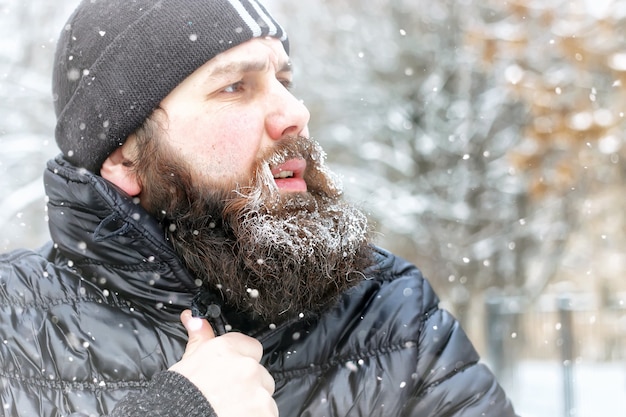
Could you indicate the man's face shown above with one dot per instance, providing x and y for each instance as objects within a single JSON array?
[
  {"x": 245, "y": 197},
  {"x": 232, "y": 110}
]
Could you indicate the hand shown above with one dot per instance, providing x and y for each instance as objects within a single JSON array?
[{"x": 227, "y": 371}]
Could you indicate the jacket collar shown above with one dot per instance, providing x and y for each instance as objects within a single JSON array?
[{"x": 111, "y": 240}]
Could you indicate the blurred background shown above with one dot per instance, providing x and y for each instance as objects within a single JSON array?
[{"x": 485, "y": 139}]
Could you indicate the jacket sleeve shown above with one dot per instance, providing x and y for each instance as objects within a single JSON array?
[
  {"x": 452, "y": 382},
  {"x": 169, "y": 394}
]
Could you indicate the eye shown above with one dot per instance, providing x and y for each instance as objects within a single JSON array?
[
  {"x": 288, "y": 84},
  {"x": 234, "y": 88}
]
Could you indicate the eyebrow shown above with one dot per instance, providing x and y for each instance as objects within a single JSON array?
[{"x": 240, "y": 67}]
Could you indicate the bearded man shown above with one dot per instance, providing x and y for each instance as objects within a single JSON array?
[{"x": 189, "y": 190}]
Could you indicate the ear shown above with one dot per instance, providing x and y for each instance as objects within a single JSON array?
[{"x": 117, "y": 169}]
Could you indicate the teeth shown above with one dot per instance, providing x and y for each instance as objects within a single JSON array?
[{"x": 284, "y": 174}]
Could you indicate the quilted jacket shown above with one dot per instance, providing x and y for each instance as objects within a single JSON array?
[{"x": 93, "y": 316}]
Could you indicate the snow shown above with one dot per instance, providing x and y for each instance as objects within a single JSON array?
[
  {"x": 599, "y": 389},
  {"x": 385, "y": 96}
]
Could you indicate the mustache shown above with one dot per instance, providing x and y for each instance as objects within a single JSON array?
[{"x": 320, "y": 180}]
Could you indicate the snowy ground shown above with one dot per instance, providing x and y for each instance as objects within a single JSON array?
[{"x": 599, "y": 390}]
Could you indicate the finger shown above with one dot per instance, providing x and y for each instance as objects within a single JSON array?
[
  {"x": 245, "y": 345},
  {"x": 268, "y": 383},
  {"x": 274, "y": 408},
  {"x": 198, "y": 330}
]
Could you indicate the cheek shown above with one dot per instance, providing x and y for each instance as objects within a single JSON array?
[{"x": 224, "y": 149}]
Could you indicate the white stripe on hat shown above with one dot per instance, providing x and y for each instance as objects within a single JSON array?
[
  {"x": 268, "y": 21},
  {"x": 249, "y": 20}
]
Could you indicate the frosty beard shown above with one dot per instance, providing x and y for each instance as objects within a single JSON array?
[{"x": 270, "y": 255}]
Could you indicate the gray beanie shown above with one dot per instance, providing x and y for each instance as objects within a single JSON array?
[{"x": 117, "y": 59}]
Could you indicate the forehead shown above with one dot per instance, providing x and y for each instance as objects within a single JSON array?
[{"x": 254, "y": 55}]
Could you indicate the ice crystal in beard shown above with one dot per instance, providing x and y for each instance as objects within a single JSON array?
[
  {"x": 305, "y": 229},
  {"x": 320, "y": 180},
  {"x": 300, "y": 221}
]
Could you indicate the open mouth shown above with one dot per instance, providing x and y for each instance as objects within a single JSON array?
[{"x": 289, "y": 176}]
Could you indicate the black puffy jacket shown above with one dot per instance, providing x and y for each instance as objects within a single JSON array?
[{"x": 94, "y": 316}]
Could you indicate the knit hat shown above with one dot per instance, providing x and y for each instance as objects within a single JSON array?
[{"x": 117, "y": 59}]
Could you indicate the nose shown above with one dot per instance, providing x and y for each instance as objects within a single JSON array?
[{"x": 287, "y": 115}]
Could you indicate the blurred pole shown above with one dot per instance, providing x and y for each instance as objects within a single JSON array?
[
  {"x": 495, "y": 335},
  {"x": 502, "y": 314},
  {"x": 567, "y": 354}
]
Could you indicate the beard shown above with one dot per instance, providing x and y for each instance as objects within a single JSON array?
[{"x": 270, "y": 255}]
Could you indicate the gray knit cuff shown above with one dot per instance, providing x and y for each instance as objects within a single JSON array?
[{"x": 169, "y": 394}]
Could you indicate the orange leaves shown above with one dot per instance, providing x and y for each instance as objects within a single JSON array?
[{"x": 567, "y": 66}]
